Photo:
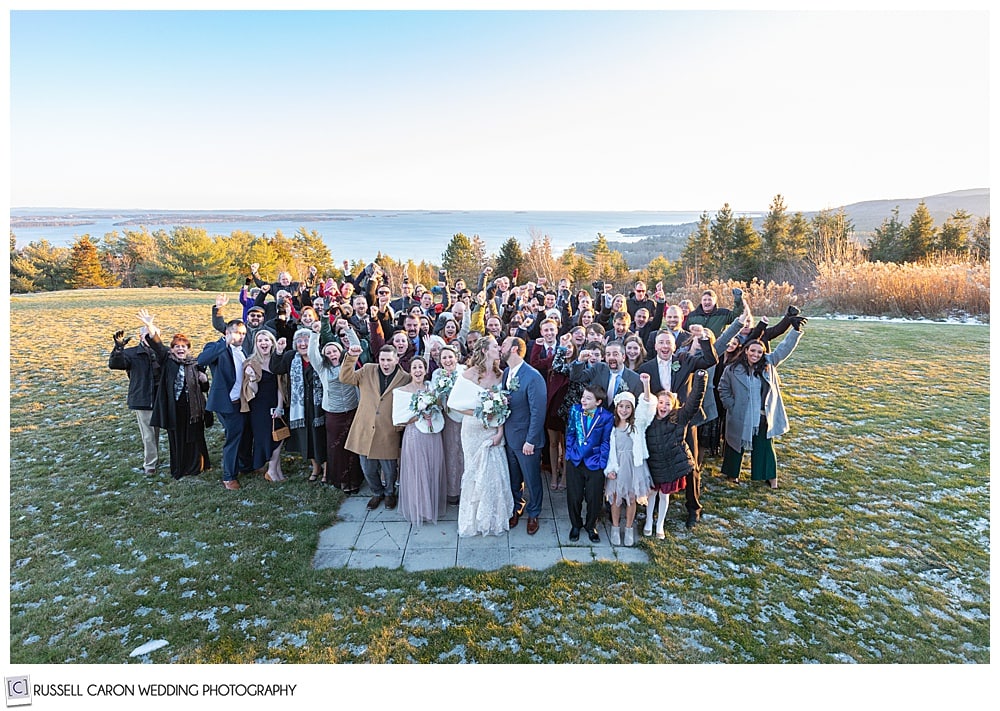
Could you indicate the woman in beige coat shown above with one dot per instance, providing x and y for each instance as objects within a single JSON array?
[{"x": 373, "y": 436}]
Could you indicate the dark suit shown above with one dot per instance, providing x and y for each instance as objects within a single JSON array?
[
  {"x": 217, "y": 356},
  {"x": 600, "y": 374},
  {"x": 525, "y": 425}
]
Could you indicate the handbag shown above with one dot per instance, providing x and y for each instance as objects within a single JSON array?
[{"x": 279, "y": 434}]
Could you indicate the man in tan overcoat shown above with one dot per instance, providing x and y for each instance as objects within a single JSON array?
[{"x": 373, "y": 436}]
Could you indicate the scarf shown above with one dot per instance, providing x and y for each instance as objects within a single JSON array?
[
  {"x": 297, "y": 392},
  {"x": 196, "y": 399},
  {"x": 751, "y": 418}
]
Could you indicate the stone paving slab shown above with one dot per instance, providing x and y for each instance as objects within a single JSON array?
[{"x": 384, "y": 539}]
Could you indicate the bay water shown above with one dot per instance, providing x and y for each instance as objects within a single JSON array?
[{"x": 360, "y": 234}]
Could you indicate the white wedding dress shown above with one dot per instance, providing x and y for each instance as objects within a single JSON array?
[{"x": 486, "y": 503}]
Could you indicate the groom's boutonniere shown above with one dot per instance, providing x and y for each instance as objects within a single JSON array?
[
  {"x": 675, "y": 366},
  {"x": 513, "y": 384}
]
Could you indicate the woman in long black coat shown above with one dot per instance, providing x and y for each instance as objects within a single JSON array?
[
  {"x": 180, "y": 405},
  {"x": 306, "y": 416}
]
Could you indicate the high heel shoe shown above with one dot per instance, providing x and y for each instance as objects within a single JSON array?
[{"x": 271, "y": 477}]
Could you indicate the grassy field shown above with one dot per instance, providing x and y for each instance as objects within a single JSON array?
[{"x": 875, "y": 549}]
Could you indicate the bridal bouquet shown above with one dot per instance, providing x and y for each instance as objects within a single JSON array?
[{"x": 494, "y": 407}]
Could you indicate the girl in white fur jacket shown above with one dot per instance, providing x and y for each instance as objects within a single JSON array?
[{"x": 627, "y": 474}]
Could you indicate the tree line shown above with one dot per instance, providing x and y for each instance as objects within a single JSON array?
[{"x": 788, "y": 247}]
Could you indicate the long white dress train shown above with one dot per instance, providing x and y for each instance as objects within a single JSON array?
[{"x": 486, "y": 502}]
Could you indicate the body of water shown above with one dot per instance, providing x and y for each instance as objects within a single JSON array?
[{"x": 404, "y": 234}]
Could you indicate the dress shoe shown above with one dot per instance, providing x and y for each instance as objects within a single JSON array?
[
  {"x": 390, "y": 502},
  {"x": 629, "y": 536},
  {"x": 374, "y": 501},
  {"x": 513, "y": 520},
  {"x": 592, "y": 534},
  {"x": 693, "y": 518},
  {"x": 231, "y": 484},
  {"x": 532, "y": 525},
  {"x": 574, "y": 534},
  {"x": 772, "y": 483}
]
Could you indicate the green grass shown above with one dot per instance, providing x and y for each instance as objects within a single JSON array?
[{"x": 875, "y": 549}]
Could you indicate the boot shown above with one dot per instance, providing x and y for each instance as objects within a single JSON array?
[
  {"x": 630, "y": 536},
  {"x": 616, "y": 535}
]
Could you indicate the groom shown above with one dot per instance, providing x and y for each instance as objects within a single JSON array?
[{"x": 523, "y": 431}]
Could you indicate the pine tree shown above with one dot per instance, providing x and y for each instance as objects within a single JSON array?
[
  {"x": 954, "y": 234},
  {"x": 191, "y": 259},
  {"x": 722, "y": 230},
  {"x": 918, "y": 236},
  {"x": 697, "y": 254},
  {"x": 744, "y": 252},
  {"x": 774, "y": 237},
  {"x": 463, "y": 259},
  {"x": 85, "y": 267},
  {"x": 981, "y": 239},
  {"x": 51, "y": 263},
  {"x": 887, "y": 244},
  {"x": 510, "y": 258},
  {"x": 310, "y": 250}
]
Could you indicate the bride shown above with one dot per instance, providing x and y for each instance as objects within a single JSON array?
[{"x": 486, "y": 500}]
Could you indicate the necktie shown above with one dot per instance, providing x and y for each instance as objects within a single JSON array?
[
  {"x": 614, "y": 385},
  {"x": 548, "y": 352}
]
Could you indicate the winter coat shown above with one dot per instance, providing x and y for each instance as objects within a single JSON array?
[
  {"x": 716, "y": 321},
  {"x": 669, "y": 455},
  {"x": 734, "y": 391},
  {"x": 372, "y": 435},
  {"x": 143, "y": 374}
]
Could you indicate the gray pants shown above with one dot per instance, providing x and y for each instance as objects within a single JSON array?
[
  {"x": 150, "y": 440},
  {"x": 390, "y": 470}
]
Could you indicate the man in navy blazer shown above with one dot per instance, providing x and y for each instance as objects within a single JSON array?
[
  {"x": 226, "y": 357},
  {"x": 524, "y": 431}
]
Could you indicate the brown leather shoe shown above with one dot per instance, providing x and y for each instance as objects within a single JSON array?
[
  {"x": 374, "y": 501},
  {"x": 513, "y": 520},
  {"x": 532, "y": 525},
  {"x": 231, "y": 484},
  {"x": 390, "y": 502}
]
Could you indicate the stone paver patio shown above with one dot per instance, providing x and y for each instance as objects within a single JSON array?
[{"x": 380, "y": 538}]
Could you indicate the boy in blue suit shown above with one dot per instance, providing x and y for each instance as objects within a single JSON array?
[{"x": 588, "y": 443}]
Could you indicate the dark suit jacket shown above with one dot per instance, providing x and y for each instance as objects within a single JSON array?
[
  {"x": 526, "y": 423},
  {"x": 686, "y": 365},
  {"x": 600, "y": 373},
  {"x": 216, "y": 355}
]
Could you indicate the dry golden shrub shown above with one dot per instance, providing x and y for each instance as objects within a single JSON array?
[
  {"x": 912, "y": 290},
  {"x": 765, "y": 298}
]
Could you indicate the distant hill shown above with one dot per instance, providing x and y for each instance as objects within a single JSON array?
[{"x": 669, "y": 240}]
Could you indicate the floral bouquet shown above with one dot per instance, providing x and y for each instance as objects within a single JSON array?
[
  {"x": 494, "y": 407},
  {"x": 443, "y": 383},
  {"x": 425, "y": 404}
]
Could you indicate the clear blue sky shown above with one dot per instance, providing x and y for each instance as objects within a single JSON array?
[{"x": 499, "y": 110}]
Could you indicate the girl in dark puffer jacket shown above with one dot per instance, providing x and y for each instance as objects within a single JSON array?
[{"x": 670, "y": 459}]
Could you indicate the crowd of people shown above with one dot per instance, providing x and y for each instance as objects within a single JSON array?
[{"x": 471, "y": 395}]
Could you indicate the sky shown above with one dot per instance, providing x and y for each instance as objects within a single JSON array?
[{"x": 639, "y": 110}]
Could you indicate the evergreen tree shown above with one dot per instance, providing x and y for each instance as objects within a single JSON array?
[
  {"x": 954, "y": 234},
  {"x": 774, "y": 237},
  {"x": 510, "y": 258},
  {"x": 796, "y": 240},
  {"x": 23, "y": 274},
  {"x": 887, "y": 245},
  {"x": 981, "y": 239},
  {"x": 744, "y": 251},
  {"x": 51, "y": 264},
  {"x": 661, "y": 269},
  {"x": 85, "y": 269},
  {"x": 919, "y": 234},
  {"x": 191, "y": 259},
  {"x": 310, "y": 250},
  {"x": 697, "y": 254},
  {"x": 722, "y": 231},
  {"x": 463, "y": 259},
  {"x": 125, "y": 254}
]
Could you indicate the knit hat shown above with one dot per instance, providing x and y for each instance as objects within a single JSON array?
[{"x": 626, "y": 395}]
